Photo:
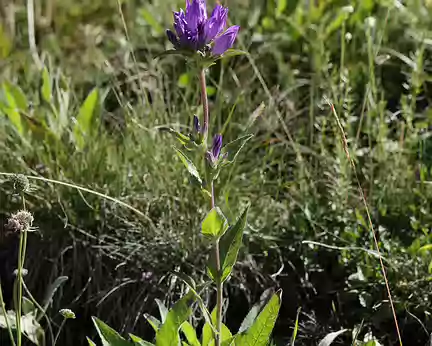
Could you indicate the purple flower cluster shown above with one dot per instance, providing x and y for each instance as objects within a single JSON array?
[{"x": 194, "y": 31}]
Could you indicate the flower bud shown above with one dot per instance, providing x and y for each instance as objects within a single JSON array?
[{"x": 67, "y": 314}]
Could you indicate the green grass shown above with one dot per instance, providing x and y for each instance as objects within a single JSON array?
[{"x": 294, "y": 172}]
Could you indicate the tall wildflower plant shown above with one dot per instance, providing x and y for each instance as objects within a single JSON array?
[
  {"x": 24, "y": 321},
  {"x": 203, "y": 40}
]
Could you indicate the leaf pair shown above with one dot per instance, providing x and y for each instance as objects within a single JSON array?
[
  {"x": 230, "y": 240},
  {"x": 167, "y": 331}
]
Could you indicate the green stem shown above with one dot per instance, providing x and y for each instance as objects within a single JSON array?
[
  {"x": 41, "y": 309},
  {"x": 204, "y": 100},
  {"x": 59, "y": 331},
  {"x": 19, "y": 290},
  {"x": 219, "y": 302},
  {"x": 3, "y": 307},
  {"x": 219, "y": 284},
  {"x": 21, "y": 258}
]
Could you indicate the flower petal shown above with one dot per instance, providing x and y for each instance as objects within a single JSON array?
[
  {"x": 217, "y": 146},
  {"x": 225, "y": 41},
  {"x": 180, "y": 23},
  {"x": 172, "y": 37},
  {"x": 196, "y": 14},
  {"x": 216, "y": 23}
]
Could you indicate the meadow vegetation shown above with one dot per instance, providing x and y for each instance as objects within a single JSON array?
[{"x": 92, "y": 64}]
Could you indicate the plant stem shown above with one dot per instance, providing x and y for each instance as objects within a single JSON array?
[
  {"x": 219, "y": 284},
  {"x": 21, "y": 258},
  {"x": 19, "y": 289},
  {"x": 204, "y": 100},
  {"x": 59, "y": 331},
  {"x": 219, "y": 302},
  {"x": 3, "y": 309}
]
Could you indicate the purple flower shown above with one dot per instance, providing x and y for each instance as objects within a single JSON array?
[
  {"x": 225, "y": 41},
  {"x": 213, "y": 155},
  {"x": 194, "y": 31},
  {"x": 197, "y": 125}
]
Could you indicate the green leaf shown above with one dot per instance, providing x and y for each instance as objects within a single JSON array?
[
  {"x": 46, "y": 89},
  {"x": 229, "y": 342},
  {"x": 168, "y": 334},
  {"x": 426, "y": 247},
  {"x": 11, "y": 109},
  {"x": 329, "y": 338},
  {"x": 84, "y": 119},
  {"x": 281, "y": 6},
  {"x": 31, "y": 328},
  {"x": 139, "y": 341},
  {"x": 259, "y": 333},
  {"x": 11, "y": 319},
  {"x": 5, "y": 43},
  {"x": 109, "y": 336},
  {"x": 27, "y": 306},
  {"x": 91, "y": 343},
  {"x": 153, "y": 321},
  {"x": 183, "y": 139},
  {"x": 230, "y": 244},
  {"x": 233, "y": 148},
  {"x": 190, "y": 334},
  {"x": 50, "y": 294},
  {"x": 296, "y": 327},
  {"x": 255, "y": 310},
  {"x": 208, "y": 334},
  {"x": 18, "y": 95},
  {"x": 184, "y": 80},
  {"x": 231, "y": 52},
  {"x": 189, "y": 165},
  {"x": 163, "y": 311},
  {"x": 186, "y": 279},
  {"x": 215, "y": 224}
]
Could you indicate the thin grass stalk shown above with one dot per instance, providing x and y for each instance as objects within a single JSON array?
[{"x": 363, "y": 198}]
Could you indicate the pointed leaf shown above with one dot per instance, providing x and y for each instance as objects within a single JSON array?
[
  {"x": 85, "y": 117},
  {"x": 31, "y": 328},
  {"x": 255, "y": 310},
  {"x": 190, "y": 334},
  {"x": 18, "y": 95},
  {"x": 50, "y": 294},
  {"x": 168, "y": 334},
  {"x": 425, "y": 247},
  {"x": 186, "y": 279},
  {"x": 163, "y": 311},
  {"x": 230, "y": 53},
  {"x": 183, "y": 139},
  {"x": 215, "y": 224},
  {"x": 91, "y": 343},
  {"x": 329, "y": 338},
  {"x": 153, "y": 321},
  {"x": 27, "y": 306},
  {"x": 233, "y": 148},
  {"x": 46, "y": 90},
  {"x": 189, "y": 165},
  {"x": 138, "y": 341},
  {"x": 208, "y": 333},
  {"x": 230, "y": 244},
  {"x": 10, "y": 108},
  {"x": 259, "y": 333},
  {"x": 296, "y": 328},
  {"x": 109, "y": 336}
]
